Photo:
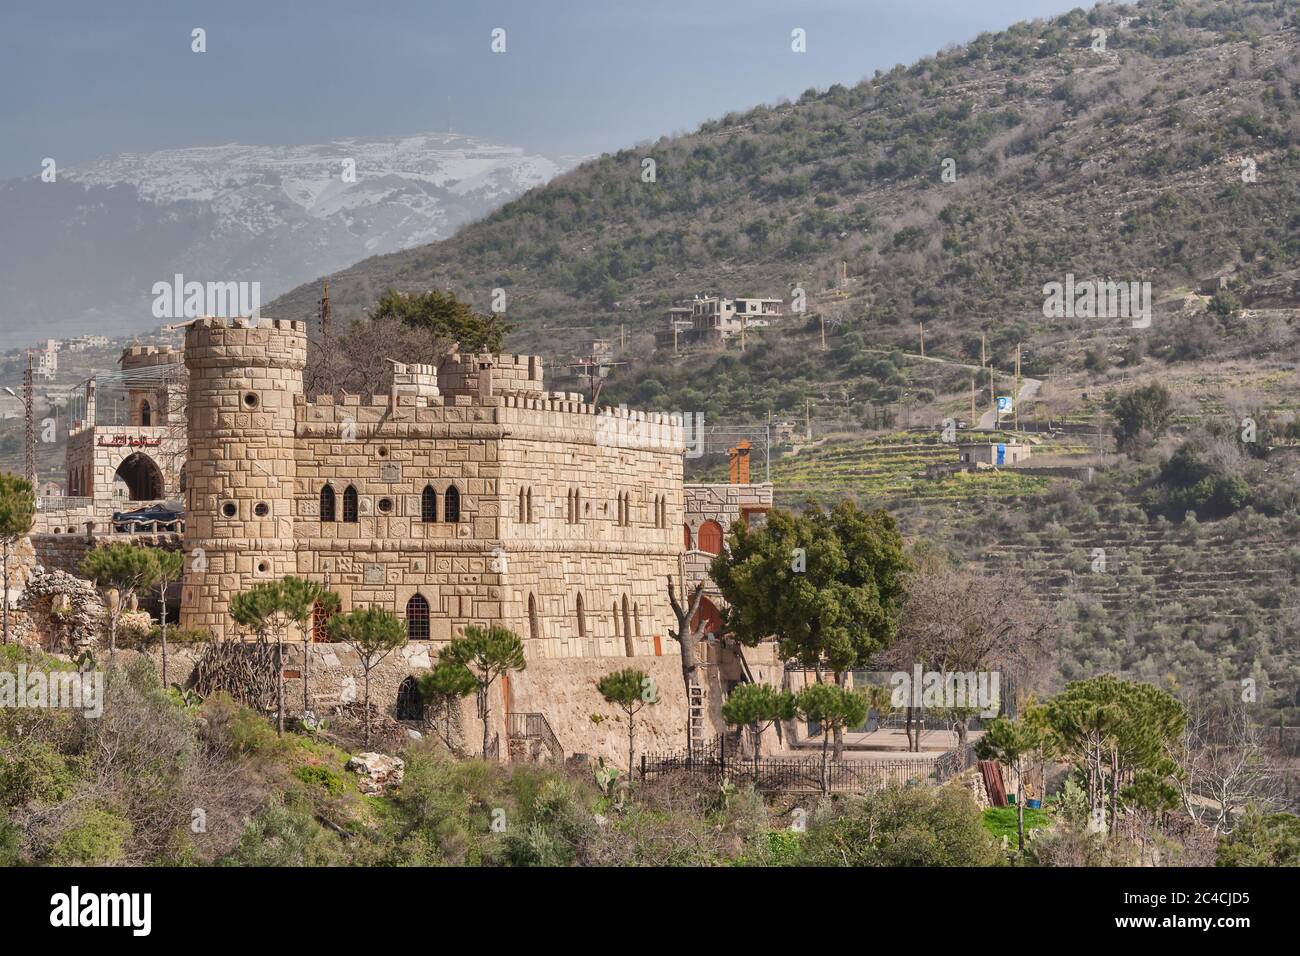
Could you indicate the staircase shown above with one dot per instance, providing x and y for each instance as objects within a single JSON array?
[{"x": 530, "y": 735}]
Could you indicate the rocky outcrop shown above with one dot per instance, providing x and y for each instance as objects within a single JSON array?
[
  {"x": 65, "y": 613},
  {"x": 377, "y": 773}
]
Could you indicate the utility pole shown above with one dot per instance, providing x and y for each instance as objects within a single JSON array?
[
  {"x": 822, "y": 319},
  {"x": 676, "y": 351},
  {"x": 324, "y": 312},
  {"x": 744, "y": 323},
  {"x": 973, "y": 420},
  {"x": 807, "y": 420},
  {"x": 622, "y": 337},
  {"x": 921, "y": 326},
  {"x": 1015, "y": 401},
  {"x": 29, "y": 409}
]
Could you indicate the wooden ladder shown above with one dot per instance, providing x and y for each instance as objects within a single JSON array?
[{"x": 695, "y": 701}]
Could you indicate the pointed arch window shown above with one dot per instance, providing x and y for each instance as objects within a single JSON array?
[
  {"x": 327, "y": 503},
  {"x": 628, "y": 644},
  {"x": 523, "y": 507},
  {"x": 146, "y": 414},
  {"x": 350, "y": 504},
  {"x": 429, "y": 505},
  {"x": 582, "y": 618},
  {"x": 534, "y": 624},
  {"x": 417, "y": 618},
  {"x": 451, "y": 505}
]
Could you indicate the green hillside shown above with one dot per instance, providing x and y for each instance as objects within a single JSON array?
[{"x": 1124, "y": 163}]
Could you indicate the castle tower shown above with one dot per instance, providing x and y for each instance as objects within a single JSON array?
[{"x": 243, "y": 384}]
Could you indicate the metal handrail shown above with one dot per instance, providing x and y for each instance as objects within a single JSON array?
[{"x": 535, "y": 726}]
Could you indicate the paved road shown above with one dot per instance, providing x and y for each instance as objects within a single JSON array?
[{"x": 989, "y": 420}]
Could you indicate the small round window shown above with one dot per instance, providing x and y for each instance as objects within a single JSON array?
[
  {"x": 383, "y": 451},
  {"x": 263, "y": 567},
  {"x": 229, "y": 509},
  {"x": 385, "y": 505},
  {"x": 261, "y": 509},
  {"x": 250, "y": 400}
]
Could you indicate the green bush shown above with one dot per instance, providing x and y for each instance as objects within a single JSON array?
[
  {"x": 96, "y": 839},
  {"x": 897, "y": 826},
  {"x": 331, "y": 780}
]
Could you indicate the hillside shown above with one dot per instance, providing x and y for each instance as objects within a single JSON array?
[{"x": 1125, "y": 163}]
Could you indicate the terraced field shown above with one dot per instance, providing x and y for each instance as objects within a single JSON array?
[{"x": 889, "y": 470}]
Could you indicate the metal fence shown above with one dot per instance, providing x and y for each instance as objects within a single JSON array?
[{"x": 720, "y": 760}]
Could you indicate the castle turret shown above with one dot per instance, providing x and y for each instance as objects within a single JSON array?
[{"x": 243, "y": 384}]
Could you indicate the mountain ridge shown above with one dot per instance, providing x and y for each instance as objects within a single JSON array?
[{"x": 88, "y": 247}]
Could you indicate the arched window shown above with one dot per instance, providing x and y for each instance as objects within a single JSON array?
[
  {"x": 572, "y": 507},
  {"x": 710, "y": 537},
  {"x": 636, "y": 620},
  {"x": 320, "y": 623},
  {"x": 417, "y": 618},
  {"x": 687, "y": 529},
  {"x": 327, "y": 504},
  {"x": 350, "y": 504},
  {"x": 530, "y": 505},
  {"x": 614, "y": 614},
  {"x": 146, "y": 414},
  {"x": 628, "y": 644},
  {"x": 523, "y": 507},
  {"x": 582, "y": 618},
  {"x": 451, "y": 505},
  {"x": 410, "y": 705},
  {"x": 534, "y": 625},
  {"x": 429, "y": 505}
]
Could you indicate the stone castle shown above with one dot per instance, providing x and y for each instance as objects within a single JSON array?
[{"x": 467, "y": 495}]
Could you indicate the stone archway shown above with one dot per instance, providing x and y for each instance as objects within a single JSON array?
[{"x": 141, "y": 477}]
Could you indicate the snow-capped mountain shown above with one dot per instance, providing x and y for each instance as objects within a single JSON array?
[{"x": 81, "y": 254}]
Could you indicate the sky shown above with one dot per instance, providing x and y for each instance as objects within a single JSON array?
[{"x": 85, "y": 78}]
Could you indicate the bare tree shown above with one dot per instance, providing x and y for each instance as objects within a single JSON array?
[
  {"x": 1226, "y": 763},
  {"x": 688, "y": 638},
  {"x": 960, "y": 622}
]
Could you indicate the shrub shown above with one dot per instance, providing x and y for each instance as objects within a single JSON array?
[
  {"x": 331, "y": 780},
  {"x": 95, "y": 839},
  {"x": 904, "y": 827}
]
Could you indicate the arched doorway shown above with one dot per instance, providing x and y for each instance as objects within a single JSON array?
[
  {"x": 138, "y": 478},
  {"x": 410, "y": 705},
  {"x": 708, "y": 613},
  {"x": 710, "y": 538}
]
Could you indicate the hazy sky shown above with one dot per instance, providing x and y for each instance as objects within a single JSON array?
[{"x": 83, "y": 78}]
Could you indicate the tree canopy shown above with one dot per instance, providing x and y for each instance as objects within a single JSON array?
[{"x": 827, "y": 585}]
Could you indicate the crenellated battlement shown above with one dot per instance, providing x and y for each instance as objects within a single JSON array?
[
  {"x": 463, "y": 374},
  {"x": 215, "y": 342},
  {"x": 149, "y": 356}
]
